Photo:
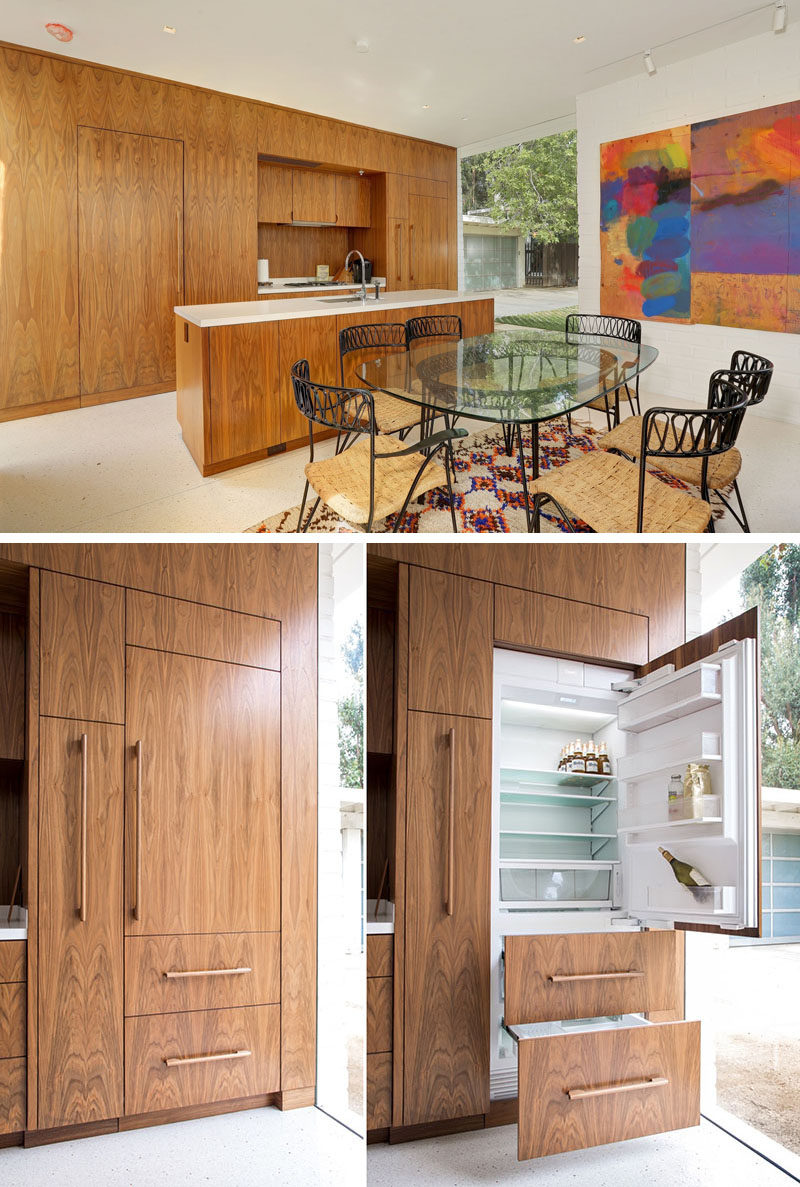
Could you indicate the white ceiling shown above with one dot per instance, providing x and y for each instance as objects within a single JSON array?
[{"x": 505, "y": 65}]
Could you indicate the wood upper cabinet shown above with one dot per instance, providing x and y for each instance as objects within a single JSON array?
[
  {"x": 447, "y": 918},
  {"x": 353, "y": 200},
  {"x": 450, "y": 643},
  {"x": 82, "y": 643},
  {"x": 202, "y": 796},
  {"x": 427, "y": 241},
  {"x": 540, "y": 622},
  {"x": 130, "y": 224},
  {"x": 274, "y": 193},
  {"x": 313, "y": 196},
  {"x": 80, "y": 960}
]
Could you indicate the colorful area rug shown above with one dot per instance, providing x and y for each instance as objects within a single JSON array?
[{"x": 487, "y": 487}]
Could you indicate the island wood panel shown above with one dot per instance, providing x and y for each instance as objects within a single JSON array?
[
  {"x": 12, "y": 687},
  {"x": 380, "y": 953},
  {"x": 539, "y": 622},
  {"x": 379, "y": 1090},
  {"x": 532, "y": 961},
  {"x": 210, "y": 756},
  {"x": 450, "y": 644},
  {"x": 353, "y": 200},
  {"x": 151, "y": 1085},
  {"x": 274, "y": 194},
  {"x": 380, "y": 680},
  {"x": 447, "y": 955},
  {"x": 80, "y": 962},
  {"x": 296, "y": 251},
  {"x": 551, "y": 1123},
  {"x": 193, "y": 382},
  {"x": 252, "y": 958},
  {"x": 379, "y": 1014},
  {"x": 12, "y": 1021},
  {"x": 130, "y": 234},
  {"x": 12, "y": 961},
  {"x": 243, "y": 378},
  {"x": 313, "y": 197},
  {"x": 172, "y": 624},
  {"x": 315, "y": 339},
  {"x": 428, "y": 241},
  {"x": 39, "y": 257},
  {"x": 477, "y": 318},
  {"x": 12, "y": 1095},
  {"x": 82, "y": 648}
]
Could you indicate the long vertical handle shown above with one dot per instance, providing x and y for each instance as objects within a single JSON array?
[
  {"x": 451, "y": 824},
  {"x": 84, "y": 824},
  {"x": 179, "y": 242},
  {"x": 137, "y": 904},
  {"x": 398, "y": 234},
  {"x": 411, "y": 252}
]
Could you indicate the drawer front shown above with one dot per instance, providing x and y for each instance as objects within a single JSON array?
[
  {"x": 12, "y": 1095},
  {"x": 540, "y": 622},
  {"x": 380, "y": 956},
  {"x": 379, "y": 1091},
  {"x": 379, "y": 1014},
  {"x": 169, "y": 974},
  {"x": 12, "y": 1021},
  {"x": 13, "y": 966},
  {"x": 169, "y": 624},
  {"x": 588, "y": 1089},
  {"x": 549, "y": 978},
  {"x": 176, "y": 1060}
]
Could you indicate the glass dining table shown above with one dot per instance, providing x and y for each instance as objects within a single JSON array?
[{"x": 516, "y": 379}]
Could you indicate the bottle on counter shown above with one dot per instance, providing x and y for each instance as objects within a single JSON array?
[{"x": 685, "y": 874}]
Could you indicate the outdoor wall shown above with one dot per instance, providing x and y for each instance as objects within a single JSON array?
[{"x": 755, "y": 73}]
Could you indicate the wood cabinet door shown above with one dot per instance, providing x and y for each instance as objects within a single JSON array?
[
  {"x": 397, "y": 275},
  {"x": 274, "y": 194},
  {"x": 447, "y": 918},
  {"x": 539, "y": 622},
  {"x": 353, "y": 200},
  {"x": 130, "y": 258},
  {"x": 243, "y": 378},
  {"x": 427, "y": 241},
  {"x": 202, "y": 795},
  {"x": 450, "y": 643},
  {"x": 313, "y": 196},
  {"x": 315, "y": 339},
  {"x": 80, "y": 914}
]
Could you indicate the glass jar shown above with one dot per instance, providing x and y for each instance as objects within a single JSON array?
[{"x": 697, "y": 780}]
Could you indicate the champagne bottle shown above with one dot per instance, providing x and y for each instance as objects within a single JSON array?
[{"x": 687, "y": 875}]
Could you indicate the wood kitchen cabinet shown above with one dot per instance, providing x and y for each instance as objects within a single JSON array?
[
  {"x": 353, "y": 200},
  {"x": 398, "y": 276},
  {"x": 313, "y": 196},
  {"x": 274, "y": 193},
  {"x": 427, "y": 241},
  {"x": 315, "y": 339}
]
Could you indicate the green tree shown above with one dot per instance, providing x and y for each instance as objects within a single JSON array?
[
  {"x": 351, "y": 712},
  {"x": 474, "y": 192}
]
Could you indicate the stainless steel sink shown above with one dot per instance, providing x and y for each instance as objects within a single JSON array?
[{"x": 349, "y": 300}]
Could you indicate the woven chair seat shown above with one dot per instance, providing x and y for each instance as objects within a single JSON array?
[
  {"x": 343, "y": 481},
  {"x": 602, "y": 489},
  {"x": 723, "y": 468},
  {"x": 392, "y": 415}
]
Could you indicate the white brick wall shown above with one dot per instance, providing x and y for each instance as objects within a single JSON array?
[{"x": 755, "y": 73}]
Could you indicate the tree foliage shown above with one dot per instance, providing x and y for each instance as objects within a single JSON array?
[
  {"x": 351, "y": 713},
  {"x": 531, "y": 186}
]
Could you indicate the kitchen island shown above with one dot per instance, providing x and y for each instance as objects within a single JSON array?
[{"x": 235, "y": 399}]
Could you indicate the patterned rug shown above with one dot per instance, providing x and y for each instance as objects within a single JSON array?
[{"x": 487, "y": 487}]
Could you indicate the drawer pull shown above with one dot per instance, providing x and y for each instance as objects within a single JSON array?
[
  {"x": 558, "y": 977},
  {"x": 175, "y": 974},
  {"x": 84, "y": 825},
  {"x": 631, "y": 1086},
  {"x": 178, "y": 1060}
]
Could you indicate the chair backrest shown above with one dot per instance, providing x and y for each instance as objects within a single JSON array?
[
  {"x": 624, "y": 328},
  {"x": 753, "y": 374},
  {"x": 347, "y": 410},
  {"x": 383, "y": 337},
  {"x": 438, "y": 325}
]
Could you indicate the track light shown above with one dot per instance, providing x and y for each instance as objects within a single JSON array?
[
  {"x": 779, "y": 18},
  {"x": 649, "y": 64}
]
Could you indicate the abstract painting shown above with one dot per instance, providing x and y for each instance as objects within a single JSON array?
[{"x": 645, "y": 226}]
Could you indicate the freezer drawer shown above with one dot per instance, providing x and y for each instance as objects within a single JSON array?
[
  {"x": 593, "y": 1087},
  {"x": 587, "y": 975}
]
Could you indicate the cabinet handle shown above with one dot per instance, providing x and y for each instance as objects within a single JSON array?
[
  {"x": 137, "y": 902},
  {"x": 179, "y": 243},
  {"x": 411, "y": 252},
  {"x": 451, "y": 823},
  {"x": 175, "y": 975},
  {"x": 631, "y": 1086},
  {"x": 84, "y": 824},
  {"x": 558, "y": 977},
  {"x": 177, "y": 1060},
  {"x": 399, "y": 251}
]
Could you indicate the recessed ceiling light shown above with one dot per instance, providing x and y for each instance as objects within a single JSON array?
[
  {"x": 362, "y": 45},
  {"x": 465, "y": 117},
  {"x": 579, "y": 40},
  {"x": 425, "y": 106},
  {"x": 168, "y": 29}
]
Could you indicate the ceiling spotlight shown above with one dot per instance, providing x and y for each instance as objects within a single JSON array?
[
  {"x": 168, "y": 29},
  {"x": 649, "y": 64},
  {"x": 426, "y": 106},
  {"x": 464, "y": 117},
  {"x": 60, "y": 32},
  {"x": 579, "y": 40},
  {"x": 779, "y": 18},
  {"x": 362, "y": 46}
]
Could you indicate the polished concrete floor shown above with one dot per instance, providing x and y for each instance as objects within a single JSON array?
[
  {"x": 262, "y": 1148},
  {"x": 703, "y": 1157}
]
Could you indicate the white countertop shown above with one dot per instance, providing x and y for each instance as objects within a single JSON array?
[
  {"x": 291, "y": 284},
  {"x": 240, "y": 313}
]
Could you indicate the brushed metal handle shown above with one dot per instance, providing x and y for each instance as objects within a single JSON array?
[
  {"x": 558, "y": 977},
  {"x": 451, "y": 823},
  {"x": 630, "y": 1086},
  {"x": 137, "y": 901},
  {"x": 84, "y": 824},
  {"x": 175, "y": 974},
  {"x": 398, "y": 234},
  {"x": 179, "y": 244},
  {"x": 411, "y": 252},
  {"x": 177, "y": 1060}
]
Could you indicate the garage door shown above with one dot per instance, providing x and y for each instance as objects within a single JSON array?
[{"x": 490, "y": 262}]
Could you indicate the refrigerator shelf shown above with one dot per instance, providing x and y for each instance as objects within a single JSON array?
[
  {"x": 631, "y": 830},
  {"x": 553, "y": 799},
  {"x": 540, "y": 778}
]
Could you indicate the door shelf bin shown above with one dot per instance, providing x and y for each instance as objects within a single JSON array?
[
  {"x": 540, "y": 888},
  {"x": 704, "y": 899},
  {"x": 697, "y": 746},
  {"x": 672, "y": 699}
]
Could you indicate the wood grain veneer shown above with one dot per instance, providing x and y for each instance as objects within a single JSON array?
[
  {"x": 80, "y": 963},
  {"x": 353, "y": 200},
  {"x": 428, "y": 241},
  {"x": 530, "y": 962},
  {"x": 171, "y": 624},
  {"x": 313, "y": 196},
  {"x": 450, "y": 644},
  {"x": 149, "y": 958},
  {"x": 559, "y": 626},
  {"x": 274, "y": 194},
  {"x": 12, "y": 961},
  {"x": 12, "y": 828},
  {"x": 12, "y": 1021},
  {"x": 380, "y": 680},
  {"x": 380, "y": 956},
  {"x": 315, "y": 339},
  {"x": 245, "y": 416},
  {"x": 296, "y": 1098},
  {"x": 12, "y": 686},
  {"x": 12, "y": 1095},
  {"x": 193, "y": 382},
  {"x": 396, "y": 835},
  {"x": 30, "y": 840},
  {"x": 150, "y": 1085},
  {"x": 82, "y": 649},
  {"x": 550, "y": 1123},
  {"x": 191, "y": 1113},
  {"x": 477, "y": 317},
  {"x": 210, "y": 734},
  {"x": 296, "y": 251},
  {"x": 379, "y": 1014},
  {"x": 379, "y": 1090}
]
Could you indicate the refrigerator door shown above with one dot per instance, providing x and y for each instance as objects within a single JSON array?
[{"x": 705, "y": 712}]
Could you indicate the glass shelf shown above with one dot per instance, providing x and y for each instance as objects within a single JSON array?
[
  {"x": 553, "y": 799},
  {"x": 525, "y": 832},
  {"x": 552, "y": 778}
]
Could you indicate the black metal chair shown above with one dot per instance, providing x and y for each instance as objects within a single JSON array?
[
  {"x": 440, "y": 325},
  {"x": 359, "y": 483},
  {"x": 366, "y": 341},
  {"x": 613, "y": 494},
  {"x": 625, "y": 329},
  {"x": 752, "y": 374}
]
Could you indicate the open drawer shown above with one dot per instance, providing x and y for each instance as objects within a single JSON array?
[{"x": 605, "y": 1080}]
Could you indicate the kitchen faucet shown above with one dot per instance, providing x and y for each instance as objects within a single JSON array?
[{"x": 350, "y": 254}]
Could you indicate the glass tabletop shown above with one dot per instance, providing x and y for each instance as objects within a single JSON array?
[{"x": 515, "y": 377}]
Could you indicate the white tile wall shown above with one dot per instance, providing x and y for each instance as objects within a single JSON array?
[{"x": 755, "y": 73}]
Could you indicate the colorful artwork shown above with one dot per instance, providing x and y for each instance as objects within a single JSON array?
[{"x": 645, "y": 226}]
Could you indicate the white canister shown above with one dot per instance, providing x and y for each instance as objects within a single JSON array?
[{"x": 263, "y": 271}]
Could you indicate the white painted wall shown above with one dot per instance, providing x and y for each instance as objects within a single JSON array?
[{"x": 755, "y": 73}]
